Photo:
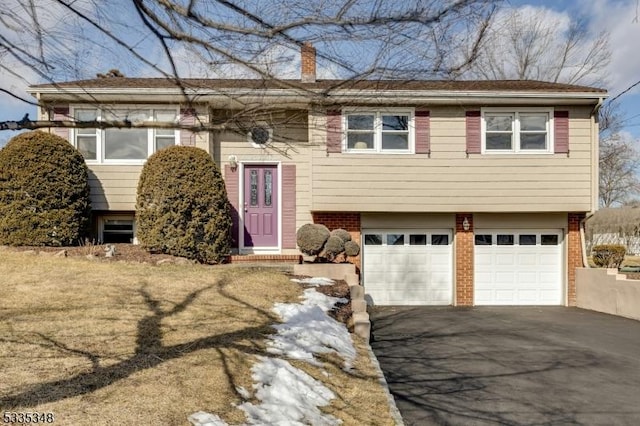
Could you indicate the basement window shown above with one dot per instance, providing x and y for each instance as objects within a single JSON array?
[{"x": 117, "y": 230}]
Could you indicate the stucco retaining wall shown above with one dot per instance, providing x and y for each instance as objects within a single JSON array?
[{"x": 604, "y": 290}]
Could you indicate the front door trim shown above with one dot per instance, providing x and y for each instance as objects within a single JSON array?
[{"x": 241, "y": 185}]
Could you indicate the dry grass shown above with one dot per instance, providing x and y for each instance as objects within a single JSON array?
[{"x": 120, "y": 343}]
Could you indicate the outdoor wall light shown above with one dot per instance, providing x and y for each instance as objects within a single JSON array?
[
  {"x": 233, "y": 162},
  {"x": 465, "y": 224}
]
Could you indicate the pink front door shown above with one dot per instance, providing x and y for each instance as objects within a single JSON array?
[{"x": 260, "y": 206}]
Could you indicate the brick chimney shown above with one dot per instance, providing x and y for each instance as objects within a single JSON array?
[{"x": 308, "y": 63}]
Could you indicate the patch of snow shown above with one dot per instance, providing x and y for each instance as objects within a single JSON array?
[
  {"x": 315, "y": 281},
  {"x": 307, "y": 329},
  {"x": 288, "y": 395},
  {"x": 243, "y": 392},
  {"x": 201, "y": 418}
]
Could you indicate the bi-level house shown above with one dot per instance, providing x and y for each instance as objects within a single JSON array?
[{"x": 460, "y": 192}]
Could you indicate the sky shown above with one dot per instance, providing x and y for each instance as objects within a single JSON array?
[
  {"x": 618, "y": 17},
  {"x": 286, "y": 394}
]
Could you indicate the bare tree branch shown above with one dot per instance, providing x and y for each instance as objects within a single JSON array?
[
  {"x": 26, "y": 124},
  {"x": 619, "y": 167},
  {"x": 538, "y": 44},
  {"x": 355, "y": 38}
]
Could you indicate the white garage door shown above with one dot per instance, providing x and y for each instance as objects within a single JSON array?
[
  {"x": 408, "y": 267},
  {"x": 521, "y": 267}
]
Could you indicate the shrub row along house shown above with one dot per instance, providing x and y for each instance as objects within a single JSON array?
[{"x": 460, "y": 192}]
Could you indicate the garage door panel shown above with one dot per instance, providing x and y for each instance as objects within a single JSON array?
[
  {"x": 440, "y": 279},
  {"x": 528, "y": 278},
  {"x": 527, "y": 259},
  {"x": 528, "y": 296},
  {"x": 409, "y": 274},
  {"x": 504, "y": 278},
  {"x": 405, "y": 278},
  {"x": 505, "y": 259},
  {"x": 440, "y": 259},
  {"x": 483, "y": 258},
  {"x": 550, "y": 296},
  {"x": 398, "y": 287},
  {"x": 518, "y": 274},
  {"x": 503, "y": 296},
  {"x": 549, "y": 259}
]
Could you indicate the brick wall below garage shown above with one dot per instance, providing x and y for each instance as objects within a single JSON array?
[
  {"x": 574, "y": 257},
  {"x": 348, "y": 221},
  {"x": 464, "y": 260}
]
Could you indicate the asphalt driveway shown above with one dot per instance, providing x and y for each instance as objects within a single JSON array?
[{"x": 512, "y": 366}]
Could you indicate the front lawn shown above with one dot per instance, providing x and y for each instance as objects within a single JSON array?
[{"x": 121, "y": 343}]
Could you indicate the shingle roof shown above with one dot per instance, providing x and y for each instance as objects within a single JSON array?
[{"x": 422, "y": 85}]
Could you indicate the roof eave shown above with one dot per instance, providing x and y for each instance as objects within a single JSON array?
[{"x": 338, "y": 96}]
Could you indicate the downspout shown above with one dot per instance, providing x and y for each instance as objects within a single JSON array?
[
  {"x": 595, "y": 178},
  {"x": 583, "y": 240}
]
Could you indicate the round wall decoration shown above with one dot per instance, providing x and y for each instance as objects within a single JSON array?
[{"x": 260, "y": 135}]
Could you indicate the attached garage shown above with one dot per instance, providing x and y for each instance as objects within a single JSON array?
[
  {"x": 523, "y": 267},
  {"x": 408, "y": 267}
]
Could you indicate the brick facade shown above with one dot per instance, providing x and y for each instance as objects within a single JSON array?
[
  {"x": 348, "y": 221},
  {"x": 574, "y": 255},
  {"x": 464, "y": 260}
]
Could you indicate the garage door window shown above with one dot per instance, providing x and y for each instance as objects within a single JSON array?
[
  {"x": 527, "y": 240},
  {"x": 439, "y": 240},
  {"x": 395, "y": 239},
  {"x": 483, "y": 240},
  {"x": 549, "y": 240},
  {"x": 418, "y": 240},
  {"x": 373, "y": 240},
  {"x": 505, "y": 240}
]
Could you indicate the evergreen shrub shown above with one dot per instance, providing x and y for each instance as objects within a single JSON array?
[
  {"x": 44, "y": 192},
  {"x": 182, "y": 207}
]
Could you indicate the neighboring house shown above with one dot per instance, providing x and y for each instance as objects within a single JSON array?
[
  {"x": 460, "y": 192},
  {"x": 619, "y": 225}
]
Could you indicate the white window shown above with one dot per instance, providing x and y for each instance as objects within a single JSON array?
[
  {"x": 123, "y": 145},
  {"x": 379, "y": 131},
  {"x": 517, "y": 131},
  {"x": 117, "y": 229}
]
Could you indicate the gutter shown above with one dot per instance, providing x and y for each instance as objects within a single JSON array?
[
  {"x": 583, "y": 242},
  {"x": 330, "y": 96}
]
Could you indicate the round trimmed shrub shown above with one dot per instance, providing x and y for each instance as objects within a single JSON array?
[
  {"x": 334, "y": 246},
  {"x": 342, "y": 234},
  {"x": 351, "y": 248},
  {"x": 44, "y": 191},
  {"x": 182, "y": 207},
  {"x": 311, "y": 238}
]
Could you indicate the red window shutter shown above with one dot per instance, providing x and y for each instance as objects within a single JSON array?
[
  {"x": 474, "y": 136},
  {"x": 187, "y": 118},
  {"x": 561, "y": 132},
  {"x": 232, "y": 184},
  {"x": 61, "y": 114},
  {"x": 288, "y": 206},
  {"x": 334, "y": 131},
  {"x": 423, "y": 130}
]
